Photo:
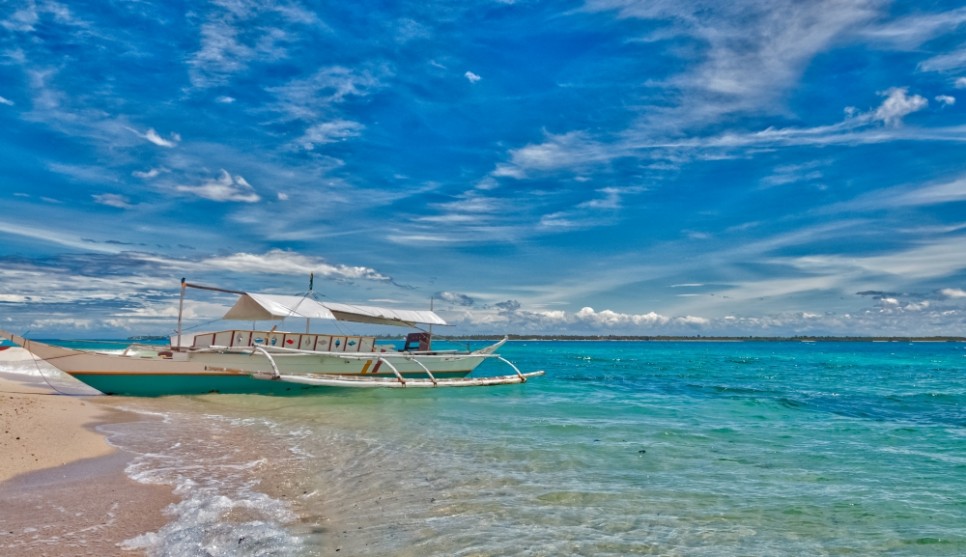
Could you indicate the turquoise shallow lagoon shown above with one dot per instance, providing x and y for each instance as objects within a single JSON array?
[{"x": 623, "y": 448}]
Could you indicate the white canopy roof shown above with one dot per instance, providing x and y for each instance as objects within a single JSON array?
[{"x": 263, "y": 307}]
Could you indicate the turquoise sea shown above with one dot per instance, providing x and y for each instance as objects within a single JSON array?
[{"x": 623, "y": 448}]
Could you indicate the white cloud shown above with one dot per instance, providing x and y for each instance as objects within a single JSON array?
[
  {"x": 455, "y": 298},
  {"x": 226, "y": 47},
  {"x": 751, "y": 53},
  {"x": 898, "y": 105},
  {"x": 224, "y": 188},
  {"x": 48, "y": 235},
  {"x": 112, "y": 200},
  {"x": 795, "y": 174},
  {"x": 329, "y": 132},
  {"x": 587, "y": 320},
  {"x": 147, "y": 175},
  {"x": 934, "y": 194},
  {"x": 558, "y": 151},
  {"x": 946, "y": 100},
  {"x": 938, "y": 259},
  {"x": 953, "y": 292},
  {"x": 611, "y": 199},
  {"x": 289, "y": 263},
  {"x": 945, "y": 62},
  {"x": 155, "y": 138},
  {"x": 611, "y": 318},
  {"x": 946, "y": 192},
  {"x": 911, "y": 31},
  {"x": 472, "y": 77},
  {"x": 311, "y": 99},
  {"x": 6, "y": 101},
  {"x": 575, "y": 150},
  {"x": 692, "y": 320},
  {"x": 960, "y": 83},
  {"x": 22, "y": 20}
]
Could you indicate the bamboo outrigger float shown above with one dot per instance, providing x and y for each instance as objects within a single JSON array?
[{"x": 278, "y": 362}]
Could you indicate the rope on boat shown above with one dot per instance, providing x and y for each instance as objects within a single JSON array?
[{"x": 40, "y": 370}]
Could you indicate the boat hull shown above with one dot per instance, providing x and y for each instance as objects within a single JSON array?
[
  {"x": 235, "y": 371},
  {"x": 166, "y": 384}
]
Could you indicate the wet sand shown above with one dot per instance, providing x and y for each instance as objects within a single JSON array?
[{"x": 63, "y": 486}]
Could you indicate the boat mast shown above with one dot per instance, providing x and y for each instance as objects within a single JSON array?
[
  {"x": 184, "y": 286},
  {"x": 180, "y": 310},
  {"x": 429, "y": 343},
  {"x": 311, "y": 281}
]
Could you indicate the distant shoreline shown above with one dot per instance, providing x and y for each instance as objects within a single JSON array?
[{"x": 671, "y": 338}]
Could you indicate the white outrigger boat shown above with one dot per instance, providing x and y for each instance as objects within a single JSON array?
[{"x": 277, "y": 362}]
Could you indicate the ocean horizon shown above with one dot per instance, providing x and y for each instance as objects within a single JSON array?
[{"x": 707, "y": 448}]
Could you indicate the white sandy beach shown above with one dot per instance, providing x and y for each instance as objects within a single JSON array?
[{"x": 63, "y": 486}]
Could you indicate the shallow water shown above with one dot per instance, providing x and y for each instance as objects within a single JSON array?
[{"x": 623, "y": 448}]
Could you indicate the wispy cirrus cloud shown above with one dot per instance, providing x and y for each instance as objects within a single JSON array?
[
  {"x": 743, "y": 56},
  {"x": 235, "y": 34},
  {"x": 916, "y": 195},
  {"x": 809, "y": 172},
  {"x": 568, "y": 150},
  {"x": 312, "y": 97},
  {"x": 329, "y": 132},
  {"x": 938, "y": 258},
  {"x": 112, "y": 200},
  {"x": 148, "y": 174},
  {"x": 51, "y": 236},
  {"x": 913, "y": 30},
  {"x": 575, "y": 150},
  {"x": 27, "y": 16},
  {"x": 611, "y": 197},
  {"x": 155, "y": 138},
  {"x": 755, "y": 53},
  {"x": 224, "y": 188},
  {"x": 285, "y": 262}
]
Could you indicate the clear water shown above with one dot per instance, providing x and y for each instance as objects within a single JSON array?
[{"x": 623, "y": 448}]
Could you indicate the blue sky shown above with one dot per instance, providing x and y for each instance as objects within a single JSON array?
[{"x": 601, "y": 167}]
